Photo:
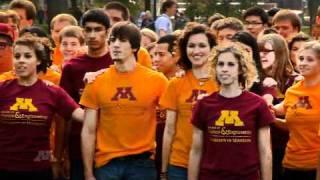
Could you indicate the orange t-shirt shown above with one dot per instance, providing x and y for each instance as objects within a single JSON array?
[
  {"x": 7, "y": 76},
  {"x": 127, "y": 105},
  {"x": 6, "y": 60},
  {"x": 50, "y": 75},
  {"x": 180, "y": 96},
  {"x": 302, "y": 106},
  {"x": 57, "y": 57},
  {"x": 144, "y": 58}
]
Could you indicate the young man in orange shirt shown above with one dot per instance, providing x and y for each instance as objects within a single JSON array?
[
  {"x": 57, "y": 24},
  {"x": 121, "y": 139}
]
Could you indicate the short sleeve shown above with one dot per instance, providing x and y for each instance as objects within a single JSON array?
[
  {"x": 286, "y": 100},
  {"x": 89, "y": 97},
  {"x": 196, "y": 118},
  {"x": 269, "y": 90},
  {"x": 169, "y": 97},
  {"x": 265, "y": 116},
  {"x": 144, "y": 58},
  {"x": 162, "y": 85},
  {"x": 162, "y": 23},
  {"x": 65, "y": 104}
]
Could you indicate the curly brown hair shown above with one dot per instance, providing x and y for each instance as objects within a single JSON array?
[
  {"x": 189, "y": 31},
  {"x": 41, "y": 47}
]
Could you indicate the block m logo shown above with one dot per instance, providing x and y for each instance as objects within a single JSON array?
[
  {"x": 124, "y": 93},
  {"x": 23, "y": 104},
  {"x": 194, "y": 95},
  {"x": 229, "y": 117}
]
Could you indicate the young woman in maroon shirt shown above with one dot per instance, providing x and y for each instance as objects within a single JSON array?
[
  {"x": 26, "y": 110},
  {"x": 231, "y": 134}
]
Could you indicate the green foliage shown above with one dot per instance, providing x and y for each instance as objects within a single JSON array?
[
  {"x": 206, "y": 8},
  {"x": 134, "y": 8},
  {"x": 4, "y": 2}
]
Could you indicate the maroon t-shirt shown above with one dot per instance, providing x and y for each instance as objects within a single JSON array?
[
  {"x": 25, "y": 118},
  {"x": 72, "y": 81},
  {"x": 230, "y": 127}
]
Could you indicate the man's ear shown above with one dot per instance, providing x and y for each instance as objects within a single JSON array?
[{"x": 318, "y": 20}]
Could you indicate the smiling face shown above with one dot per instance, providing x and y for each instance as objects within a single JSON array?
[
  {"x": 227, "y": 69},
  {"x": 25, "y": 61},
  {"x": 308, "y": 64},
  {"x": 70, "y": 47},
  {"x": 198, "y": 50}
]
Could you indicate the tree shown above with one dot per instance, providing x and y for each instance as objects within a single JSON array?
[
  {"x": 134, "y": 6},
  {"x": 55, "y": 7},
  {"x": 206, "y": 8},
  {"x": 312, "y": 8}
]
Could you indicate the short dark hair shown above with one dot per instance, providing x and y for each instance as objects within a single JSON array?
[
  {"x": 41, "y": 47},
  {"x": 256, "y": 11},
  {"x": 34, "y": 30},
  {"x": 167, "y": 4},
  {"x": 97, "y": 16},
  {"x": 30, "y": 8},
  {"x": 120, "y": 7},
  {"x": 128, "y": 31},
  {"x": 299, "y": 37},
  {"x": 271, "y": 12},
  {"x": 184, "y": 61},
  {"x": 169, "y": 39}
]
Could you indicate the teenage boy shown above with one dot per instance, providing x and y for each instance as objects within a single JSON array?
[
  {"x": 96, "y": 25},
  {"x": 118, "y": 134}
]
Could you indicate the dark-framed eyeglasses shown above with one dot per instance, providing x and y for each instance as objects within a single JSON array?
[{"x": 247, "y": 23}]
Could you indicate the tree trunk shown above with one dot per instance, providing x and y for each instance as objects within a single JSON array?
[
  {"x": 313, "y": 7},
  {"x": 55, "y": 7},
  {"x": 147, "y": 5}
]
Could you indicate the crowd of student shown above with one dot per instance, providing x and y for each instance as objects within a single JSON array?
[{"x": 228, "y": 100}]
